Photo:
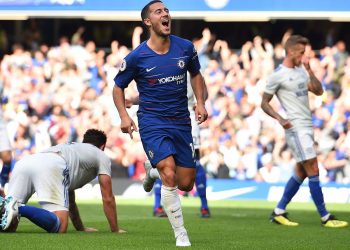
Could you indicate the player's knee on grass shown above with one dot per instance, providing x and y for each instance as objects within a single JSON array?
[{"x": 63, "y": 217}]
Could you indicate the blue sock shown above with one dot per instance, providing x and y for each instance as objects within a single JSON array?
[
  {"x": 201, "y": 184},
  {"x": 41, "y": 217},
  {"x": 157, "y": 187},
  {"x": 290, "y": 190},
  {"x": 317, "y": 195},
  {"x": 5, "y": 172}
]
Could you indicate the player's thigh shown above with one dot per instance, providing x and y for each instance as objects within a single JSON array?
[
  {"x": 20, "y": 184},
  {"x": 52, "y": 179},
  {"x": 301, "y": 143},
  {"x": 157, "y": 144}
]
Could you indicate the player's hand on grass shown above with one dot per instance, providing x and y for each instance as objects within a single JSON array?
[{"x": 90, "y": 229}]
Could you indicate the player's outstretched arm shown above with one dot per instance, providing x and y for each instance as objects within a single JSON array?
[
  {"x": 127, "y": 124},
  {"x": 109, "y": 207}
]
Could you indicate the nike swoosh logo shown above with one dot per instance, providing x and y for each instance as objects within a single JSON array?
[
  {"x": 176, "y": 210},
  {"x": 222, "y": 195},
  {"x": 148, "y": 70}
]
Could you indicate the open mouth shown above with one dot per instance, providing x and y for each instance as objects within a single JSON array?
[{"x": 165, "y": 23}]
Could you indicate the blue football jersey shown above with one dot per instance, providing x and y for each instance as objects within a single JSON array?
[{"x": 162, "y": 82}]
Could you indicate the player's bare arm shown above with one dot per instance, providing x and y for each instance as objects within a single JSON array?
[
  {"x": 127, "y": 124},
  {"x": 109, "y": 207},
  {"x": 75, "y": 216},
  {"x": 314, "y": 85},
  {"x": 265, "y": 105},
  {"x": 199, "y": 90}
]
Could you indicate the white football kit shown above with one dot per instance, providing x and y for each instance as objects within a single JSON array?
[
  {"x": 290, "y": 85},
  {"x": 194, "y": 124},
  {"x": 56, "y": 170},
  {"x": 5, "y": 144}
]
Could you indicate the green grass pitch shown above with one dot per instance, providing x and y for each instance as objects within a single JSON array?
[{"x": 233, "y": 225}]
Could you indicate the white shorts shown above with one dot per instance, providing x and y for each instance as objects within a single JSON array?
[
  {"x": 195, "y": 130},
  {"x": 5, "y": 144},
  {"x": 301, "y": 142},
  {"x": 46, "y": 174}
]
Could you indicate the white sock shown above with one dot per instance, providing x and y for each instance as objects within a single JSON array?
[
  {"x": 279, "y": 210},
  {"x": 172, "y": 207},
  {"x": 153, "y": 173},
  {"x": 324, "y": 218}
]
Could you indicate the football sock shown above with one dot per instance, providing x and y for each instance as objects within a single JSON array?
[
  {"x": 154, "y": 173},
  {"x": 279, "y": 210},
  {"x": 290, "y": 190},
  {"x": 172, "y": 207},
  {"x": 41, "y": 217},
  {"x": 5, "y": 172},
  {"x": 201, "y": 184},
  {"x": 317, "y": 195},
  {"x": 157, "y": 193},
  {"x": 325, "y": 218}
]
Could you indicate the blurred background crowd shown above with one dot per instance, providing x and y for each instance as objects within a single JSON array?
[{"x": 54, "y": 93}]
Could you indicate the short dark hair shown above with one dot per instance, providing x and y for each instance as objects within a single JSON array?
[
  {"x": 294, "y": 40},
  {"x": 145, "y": 10},
  {"x": 95, "y": 137}
]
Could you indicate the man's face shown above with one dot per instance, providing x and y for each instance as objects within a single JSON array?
[
  {"x": 159, "y": 19},
  {"x": 296, "y": 53}
]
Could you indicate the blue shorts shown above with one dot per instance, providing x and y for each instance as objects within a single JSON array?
[{"x": 159, "y": 143}]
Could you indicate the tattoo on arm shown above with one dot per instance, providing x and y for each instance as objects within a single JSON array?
[
  {"x": 265, "y": 105},
  {"x": 315, "y": 85}
]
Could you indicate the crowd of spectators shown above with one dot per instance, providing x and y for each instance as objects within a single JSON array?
[{"x": 56, "y": 93}]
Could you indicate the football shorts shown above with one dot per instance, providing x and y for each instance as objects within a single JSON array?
[
  {"x": 46, "y": 174},
  {"x": 301, "y": 142},
  {"x": 159, "y": 143}
]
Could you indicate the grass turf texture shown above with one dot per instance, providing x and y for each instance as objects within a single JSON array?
[{"x": 233, "y": 225}]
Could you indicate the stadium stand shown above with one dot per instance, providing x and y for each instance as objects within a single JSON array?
[{"x": 56, "y": 92}]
